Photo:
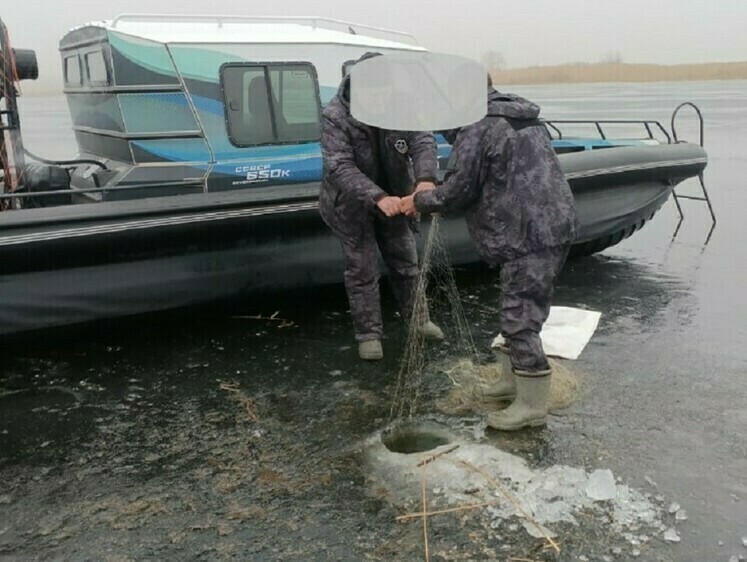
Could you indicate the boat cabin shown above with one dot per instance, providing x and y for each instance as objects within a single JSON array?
[
  {"x": 175, "y": 105},
  {"x": 191, "y": 103}
]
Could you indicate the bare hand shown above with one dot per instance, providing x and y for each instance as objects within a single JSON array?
[
  {"x": 407, "y": 206},
  {"x": 425, "y": 186},
  {"x": 389, "y": 206}
]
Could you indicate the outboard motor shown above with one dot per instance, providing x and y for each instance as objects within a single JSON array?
[{"x": 43, "y": 178}]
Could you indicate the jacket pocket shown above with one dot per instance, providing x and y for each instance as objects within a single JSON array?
[{"x": 347, "y": 216}]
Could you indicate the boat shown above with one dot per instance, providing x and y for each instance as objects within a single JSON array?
[{"x": 198, "y": 168}]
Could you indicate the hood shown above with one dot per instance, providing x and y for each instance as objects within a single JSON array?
[
  {"x": 343, "y": 91},
  {"x": 509, "y": 105},
  {"x": 503, "y": 105},
  {"x": 450, "y": 134}
]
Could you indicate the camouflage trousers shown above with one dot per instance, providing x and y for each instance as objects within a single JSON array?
[
  {"x": 526, "y": 291},
  {"x": 395, "y": 240}
]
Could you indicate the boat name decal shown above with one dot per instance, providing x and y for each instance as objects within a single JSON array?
[{"x": 261, "y": 173}]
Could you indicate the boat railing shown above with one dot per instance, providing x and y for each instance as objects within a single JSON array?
[
  {"x": 555, "y": 130},
  {"x": 315, "y": 22},
  {"x": 649, "y": 125}
]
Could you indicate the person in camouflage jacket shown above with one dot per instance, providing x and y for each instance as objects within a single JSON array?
[
  {"x": 503, "y": 172},
  {"x": 366, "y": 171}
]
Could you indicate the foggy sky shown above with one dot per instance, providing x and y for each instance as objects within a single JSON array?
[{"x": 526, "y": 32}]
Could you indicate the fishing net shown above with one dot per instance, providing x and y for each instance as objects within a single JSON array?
[
  {"x": 435, "y": 282},
  {"x": 467, "y": 378},
  {"x": 463, "y": 367}
]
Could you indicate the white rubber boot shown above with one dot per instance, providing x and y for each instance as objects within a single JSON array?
[
  {"x": 370, "y": 350},
  {"x": 530, "y": 407},
  {"x": 431, "y": 331},
  {"x": 504, "y": 388}
]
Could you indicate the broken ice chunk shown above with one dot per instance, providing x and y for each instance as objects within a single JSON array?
[
  {"x": 601, "y": 485},
  {"x": 674, "y": 507},
  {"x": 744, "y": 542},
  {"x": 479, "y": 431},
  {"x": 532, "y": 529},
  {"x": 681, "y": 515},
  {"x": 670, "y": 535}
]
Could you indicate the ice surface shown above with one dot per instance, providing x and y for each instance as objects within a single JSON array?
[
  {"x": 535, "y": 532},
  {"x": 550, "y": 495},
  {"x": 601, "y": 485}
]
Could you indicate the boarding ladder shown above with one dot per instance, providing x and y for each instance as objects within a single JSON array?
[{"x": 704, "y": 197}]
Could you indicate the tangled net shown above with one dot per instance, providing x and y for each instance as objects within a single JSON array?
[
  {"x": 436, "y": 273},
  {"x": 467, "y": 379},
  {"x": 463, "y": 369}
]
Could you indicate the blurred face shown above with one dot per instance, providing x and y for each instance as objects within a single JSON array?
[{"x": 376, "y": 100}]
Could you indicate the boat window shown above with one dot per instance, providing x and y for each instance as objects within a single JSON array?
[
  {"x": 275, "y": 103},
  {"x": 96, "y": 68},
  {"x": 568, "y": 149},
  {"x": 72, "y": 71}
]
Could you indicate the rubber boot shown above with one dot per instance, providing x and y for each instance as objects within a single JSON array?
[
  {"x": 530, "y": 407},
  {"x": 431, "y": 331},
  {"x": 370, "y": 350},
  {"x": 504, "y": 388}
]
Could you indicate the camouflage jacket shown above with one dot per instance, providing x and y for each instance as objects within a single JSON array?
[
  {"x": 504, "y": 173},
  {"x": 363, "y": 164}
]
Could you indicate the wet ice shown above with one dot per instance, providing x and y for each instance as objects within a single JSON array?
[{"x": 552, "y": 495}]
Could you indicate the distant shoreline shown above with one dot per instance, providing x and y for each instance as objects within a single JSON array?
[
  {"x": 620, "y": 72},
  {"x": 580, "y": 73}
]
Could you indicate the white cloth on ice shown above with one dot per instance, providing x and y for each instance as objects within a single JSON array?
[{"x": 566, "y": 332}]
